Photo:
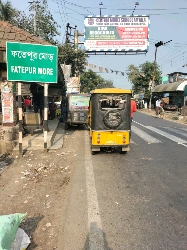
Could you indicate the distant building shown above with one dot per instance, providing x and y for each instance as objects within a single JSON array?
[{"x": 174, "y": 89}]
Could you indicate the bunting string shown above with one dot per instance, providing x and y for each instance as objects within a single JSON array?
[{"x": 101, "y": 69}]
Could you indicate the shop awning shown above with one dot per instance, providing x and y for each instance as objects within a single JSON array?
[{"x": 170, "y": 87}]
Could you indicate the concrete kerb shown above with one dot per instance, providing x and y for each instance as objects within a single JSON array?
[
  {"x": 53, "y": 127},
  {"x": 58, "y": 139}
]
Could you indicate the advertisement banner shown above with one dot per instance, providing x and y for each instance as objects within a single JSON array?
[
  {"x": 117, "y": 33},
  {"x": 7, "y": 106},
  {"x": 79, "y": 102},
  {"x": 73, "y": 85},
  {"x": 66, "y": 71}
]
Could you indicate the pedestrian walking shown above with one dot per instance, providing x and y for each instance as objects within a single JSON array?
[
  {"x": 133, "y": 108},
  {"x": 157, "y": 106}
]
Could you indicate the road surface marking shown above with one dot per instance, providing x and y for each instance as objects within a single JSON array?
[
  {"x": 96, "y": 237},
  {"x": 148, "y": 138},
  {"x": 167, "y": 135},
  {"x": 185, "y": 129},
  {"x": 176, "y": 131}
]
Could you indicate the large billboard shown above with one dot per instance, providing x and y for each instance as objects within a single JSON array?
[{"x": 117, "y": 33}]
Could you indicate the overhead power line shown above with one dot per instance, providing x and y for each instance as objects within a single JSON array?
[{"x": 75, "y": 5}]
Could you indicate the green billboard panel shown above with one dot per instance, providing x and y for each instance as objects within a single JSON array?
[{"x": 31, "y": 62}]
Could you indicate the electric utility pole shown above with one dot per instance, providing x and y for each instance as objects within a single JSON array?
[
  {"x": 76, "y": 39},
  {"x": 100, "y": 8},
  {"x": 68, "y": 32},
  {"x": 34, "y": 9},
  {"x": 151, "y": 83},
  {"x": 76, "y": 43}
]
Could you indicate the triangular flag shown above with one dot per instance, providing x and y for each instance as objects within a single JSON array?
[
  {"x": 106, "y": 70},
  {"x": 100, "y": 69}
]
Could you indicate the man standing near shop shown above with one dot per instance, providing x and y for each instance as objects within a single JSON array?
[{"x": 157, "y": 106}]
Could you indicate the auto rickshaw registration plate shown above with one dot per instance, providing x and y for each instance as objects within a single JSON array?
[{"x": 111, "y": 138}]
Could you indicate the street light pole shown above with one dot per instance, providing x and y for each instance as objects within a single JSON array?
[
  {"x": 137, "y": 3},
  {"x": 151, "y": 82},
  {"x": 100, "y": 7}
]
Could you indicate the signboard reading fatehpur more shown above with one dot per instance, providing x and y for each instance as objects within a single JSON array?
[
  {"x": 117, "y": 33},
  {"x": 31, "y": 62}
]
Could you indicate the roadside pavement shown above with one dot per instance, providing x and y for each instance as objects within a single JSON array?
[
  {"x": 36, "y": 141},
  {"x": 168, "y": 115}
]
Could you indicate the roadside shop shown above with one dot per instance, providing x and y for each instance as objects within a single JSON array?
[{"x": 175, "y": 91}]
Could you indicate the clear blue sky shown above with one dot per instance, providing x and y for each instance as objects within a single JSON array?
[{"x": 168, "y": 20}]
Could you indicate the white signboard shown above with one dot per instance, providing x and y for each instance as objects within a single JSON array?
[
  {"x": 117, "y": 33},
  {"x": 73, "y": 85},
  {"x": 67, "y": 71}
]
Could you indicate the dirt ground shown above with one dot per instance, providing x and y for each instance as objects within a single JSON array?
[{"x": 36, "y": 184}]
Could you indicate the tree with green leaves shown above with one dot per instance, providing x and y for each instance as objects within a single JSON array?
[
  {"x": 142, "y": 75},
  {"x": 105, "y": 84},
  {"x": 7, "y": 12},
  {"x": 77, "y": 59},
  {"x": 42, "y": 23},
  {"x": 89, "y": 80}
]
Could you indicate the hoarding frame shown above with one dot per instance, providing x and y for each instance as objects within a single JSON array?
[{"x": 90, "y": 25}]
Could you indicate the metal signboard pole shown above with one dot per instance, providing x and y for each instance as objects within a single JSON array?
[
  {"x": 45, "y": 115},
  {"x": 20, "y": 118}
]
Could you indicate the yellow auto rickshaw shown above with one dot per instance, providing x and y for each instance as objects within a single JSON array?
[{"x": 109, "y": 119}]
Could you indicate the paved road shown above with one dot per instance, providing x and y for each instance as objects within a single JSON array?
[{"x": 129, "y": 202}]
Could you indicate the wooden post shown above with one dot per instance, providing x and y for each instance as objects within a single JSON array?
[
  {"x": 45, "y": 115},
  {"x": 20, "y": 119}
]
